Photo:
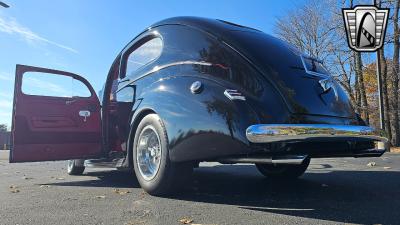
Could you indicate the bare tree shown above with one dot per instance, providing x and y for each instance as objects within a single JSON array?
[
  {"x": 3, "y": 127},
  {"x": 308, "y": 29}
]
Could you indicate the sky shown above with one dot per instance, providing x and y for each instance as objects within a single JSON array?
[{"x": 84, "y": 37}]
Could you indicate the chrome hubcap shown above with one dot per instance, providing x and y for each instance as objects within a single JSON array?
[{"x": 148, "y": 153}]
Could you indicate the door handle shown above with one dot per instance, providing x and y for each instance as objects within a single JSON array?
[
  {"x": 85, "y": 114},
  {"x": 69, "y": 102}
]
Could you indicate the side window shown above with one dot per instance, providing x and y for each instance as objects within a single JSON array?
[
  {"x": 143, "y": 55},
  {"x": 46, "y": 84}
]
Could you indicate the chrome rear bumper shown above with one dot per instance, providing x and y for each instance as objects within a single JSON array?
[{"x": 269, "y": 133}]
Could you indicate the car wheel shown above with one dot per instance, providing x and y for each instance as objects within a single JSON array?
[
  {"x": 75, "y": 167},
  {"x": 283, "y": 171},
  {"x": 156, "y": 174}
]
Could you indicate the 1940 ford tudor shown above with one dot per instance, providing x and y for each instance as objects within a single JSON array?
[{"x": 188, "y": 90}]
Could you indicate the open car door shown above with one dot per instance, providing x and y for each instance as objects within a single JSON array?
[{"x": 56, "y": 116}]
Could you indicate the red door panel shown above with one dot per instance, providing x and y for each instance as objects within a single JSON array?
[{"x": 47, "y": 128}]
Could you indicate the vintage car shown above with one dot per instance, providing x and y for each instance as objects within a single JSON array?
[{"x": 188, "y": 90}]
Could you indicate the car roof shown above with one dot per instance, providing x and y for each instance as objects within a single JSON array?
[
  {"x": 253, "y": 46},
  {"x": 216, "y": 27}
]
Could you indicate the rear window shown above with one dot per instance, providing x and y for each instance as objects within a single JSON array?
[{"x": 264, "y": 49}]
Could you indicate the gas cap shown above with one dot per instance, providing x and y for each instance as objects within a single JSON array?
[{"x": 196, "y": 87}]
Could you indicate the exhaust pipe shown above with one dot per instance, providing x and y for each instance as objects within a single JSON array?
[{"x": 285, "y": 159}]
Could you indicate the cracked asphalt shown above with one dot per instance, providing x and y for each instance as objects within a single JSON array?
[{"x": 333, "y": 191}]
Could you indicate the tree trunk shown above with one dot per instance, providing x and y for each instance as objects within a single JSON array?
[
  {"x": 395, "y": 74},
  {"x": 383, "y": 72},
  {"x": 357, "y": 86},
  {"x": 361, "y": 86}
]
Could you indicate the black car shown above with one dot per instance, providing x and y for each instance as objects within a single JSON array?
[{"x": 188, "y": 90}]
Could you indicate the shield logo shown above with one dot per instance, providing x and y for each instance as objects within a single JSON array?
[{"x": 365, "y": 27}]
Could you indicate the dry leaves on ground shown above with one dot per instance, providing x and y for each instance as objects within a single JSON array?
[
  {"x": 121, "y": 192},
  {"x": 14, "y": 189},
  {"x": 186, "y": 220},
  {"x": 371, "y": 164},
  {"x": 395, "y": 149}
]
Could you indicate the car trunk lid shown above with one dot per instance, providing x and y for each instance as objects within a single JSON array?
[{"x": 302, "y": 81}]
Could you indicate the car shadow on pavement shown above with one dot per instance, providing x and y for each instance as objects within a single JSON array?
[
  {"x": 106, "y": 179},
  {"x": 362, "y": 197}
]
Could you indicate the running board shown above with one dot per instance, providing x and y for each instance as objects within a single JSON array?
[
  {"x": 286, "y": 159},
  {"x": 104, "y": 163}
]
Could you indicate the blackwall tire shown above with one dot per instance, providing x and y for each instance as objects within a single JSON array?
[
  {"x": 75, "y": 167},
  {"x": 283, "y": 172},
  {"x": 156, "y": 174}
]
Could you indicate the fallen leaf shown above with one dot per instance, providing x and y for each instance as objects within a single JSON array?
[
  {"x": 186, "y": 220},
  {"x": 13, "y": 186},
  {"x": 387, "y": 167},
  {"x": 14, "y": 190},
  {"x": 101, "y": 196},
  {"x": 121, "y": 192},
  {"x": 371, "y": 164}
]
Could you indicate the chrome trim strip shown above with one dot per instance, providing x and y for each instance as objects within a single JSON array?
[
  {"x": 267, "y": 133},
  {"x": 289, "y": 159},
  {"x": 157, "y": 68},
  {"x": 234, "y": 95},
  {"x": 286, "y": 159}
]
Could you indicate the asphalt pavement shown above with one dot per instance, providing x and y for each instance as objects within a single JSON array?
[{"x": 333, "y": 191}]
